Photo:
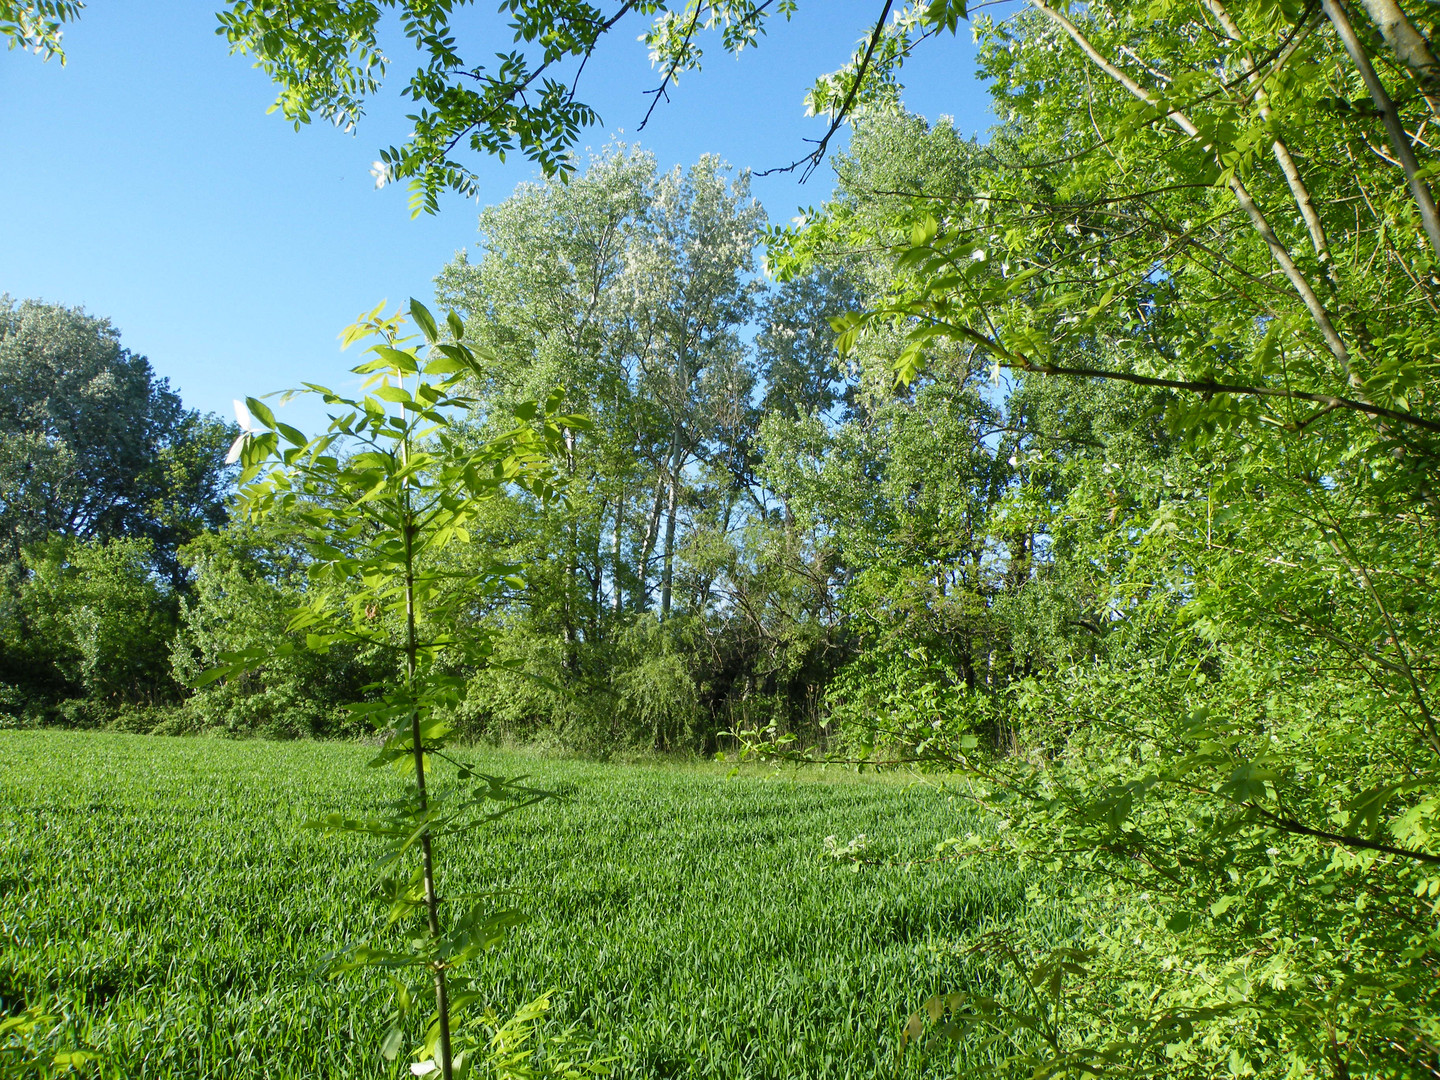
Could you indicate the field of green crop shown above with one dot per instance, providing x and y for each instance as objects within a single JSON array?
[{"x": 162, "y": 896}]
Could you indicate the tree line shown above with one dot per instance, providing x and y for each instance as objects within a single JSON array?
[{"x": 746, "y": 519}]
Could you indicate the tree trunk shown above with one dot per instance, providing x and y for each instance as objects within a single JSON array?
[
  {"x": 652, "y": 531},
  {"x": 1303, "y": 199},
  {"x": 1410, "y": 46},
  {"x": 417, "y": 748},
  {"x": 1399, "y": 138},
  {"x": 568, "y": 587},
  {"x": 616, "y": 562},
  {"x": 672, "y": 509}
]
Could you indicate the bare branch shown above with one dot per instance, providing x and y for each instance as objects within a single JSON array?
[
  {"x": 1197, "y": 387},
  {"x": 659, "y": 92},
  {"x": 812, "y": 161},
  {"x": 1290, "y": 825}
]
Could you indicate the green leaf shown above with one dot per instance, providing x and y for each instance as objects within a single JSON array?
[
  {"x": 294, "y": 436},
  {"x": 424, "y": 320},
  {"x": 391, "y": 1043},
  {"x": 1247, "y": 782},
  {"x": 1224, "y": 904},
  {"x": 447, "y": 360},
  {"x": 260, "y": 411},
  {"x": 401, "y": 359},
  {"x": 923, "y": 231}
]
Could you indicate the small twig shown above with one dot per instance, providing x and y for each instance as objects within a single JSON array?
[{"x": 659, "y": 92}]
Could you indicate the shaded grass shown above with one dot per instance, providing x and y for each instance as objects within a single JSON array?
[{"x": 165, "y": 898}]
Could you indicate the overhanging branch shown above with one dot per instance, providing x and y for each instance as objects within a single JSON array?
[{"x": 1331, "y": 401}]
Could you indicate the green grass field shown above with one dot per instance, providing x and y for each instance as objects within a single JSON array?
[{"x": 164, "y": 897}]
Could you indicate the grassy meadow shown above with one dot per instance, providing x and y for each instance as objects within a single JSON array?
[{"x": 165, "y": 899}]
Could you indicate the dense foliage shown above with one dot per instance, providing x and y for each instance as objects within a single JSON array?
[
  {"x": 1241, "y": 762},
  {"x": 93, "y": 445},
  {"x": 104, "y": 477}
]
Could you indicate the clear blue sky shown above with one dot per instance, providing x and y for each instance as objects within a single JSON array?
[{"x": 146, "y": 182}]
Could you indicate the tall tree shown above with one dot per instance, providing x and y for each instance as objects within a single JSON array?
[
  {"x": 692, "y": 291},
  {"x": 795, "y": 344},
  {"x": 93, "y": 445},
  {"x": 547, "y": 298},
  {"x": 632, "y": 288}
]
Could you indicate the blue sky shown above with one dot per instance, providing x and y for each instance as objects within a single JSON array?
[{"x": 146, "y": 182}]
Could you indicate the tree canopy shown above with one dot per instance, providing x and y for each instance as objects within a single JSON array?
[
  {"x": 93, "y": 445},
  {"x": 509, "y": 83}
]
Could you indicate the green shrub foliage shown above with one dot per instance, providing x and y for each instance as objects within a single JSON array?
[
  {"x": 246, "y": 583},
  {"x": 87, "y": 624},
  {"x": 1215, "y": 720}
]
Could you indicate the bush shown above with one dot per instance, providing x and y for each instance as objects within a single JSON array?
[
  {"x": 247, "y": 582},
  {"x": 94, "y": 621}
]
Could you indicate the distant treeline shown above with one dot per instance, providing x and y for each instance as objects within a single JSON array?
[{"x": 755, "y": 535}]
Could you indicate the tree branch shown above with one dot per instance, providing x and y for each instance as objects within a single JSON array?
[
  {"x": 1278, "y": 250},
  {"x": 1330, "y": 400},
  {"x": 1410, "y": 46},
  {"x": 1399, "y": 140},
  {"x": 1290, "y": 825},
  {"x": 659, "y": 92},
  {"x": 838, "y": 117}
]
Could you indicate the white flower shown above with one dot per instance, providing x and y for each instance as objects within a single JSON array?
[{"x": 381, "y": 172}]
